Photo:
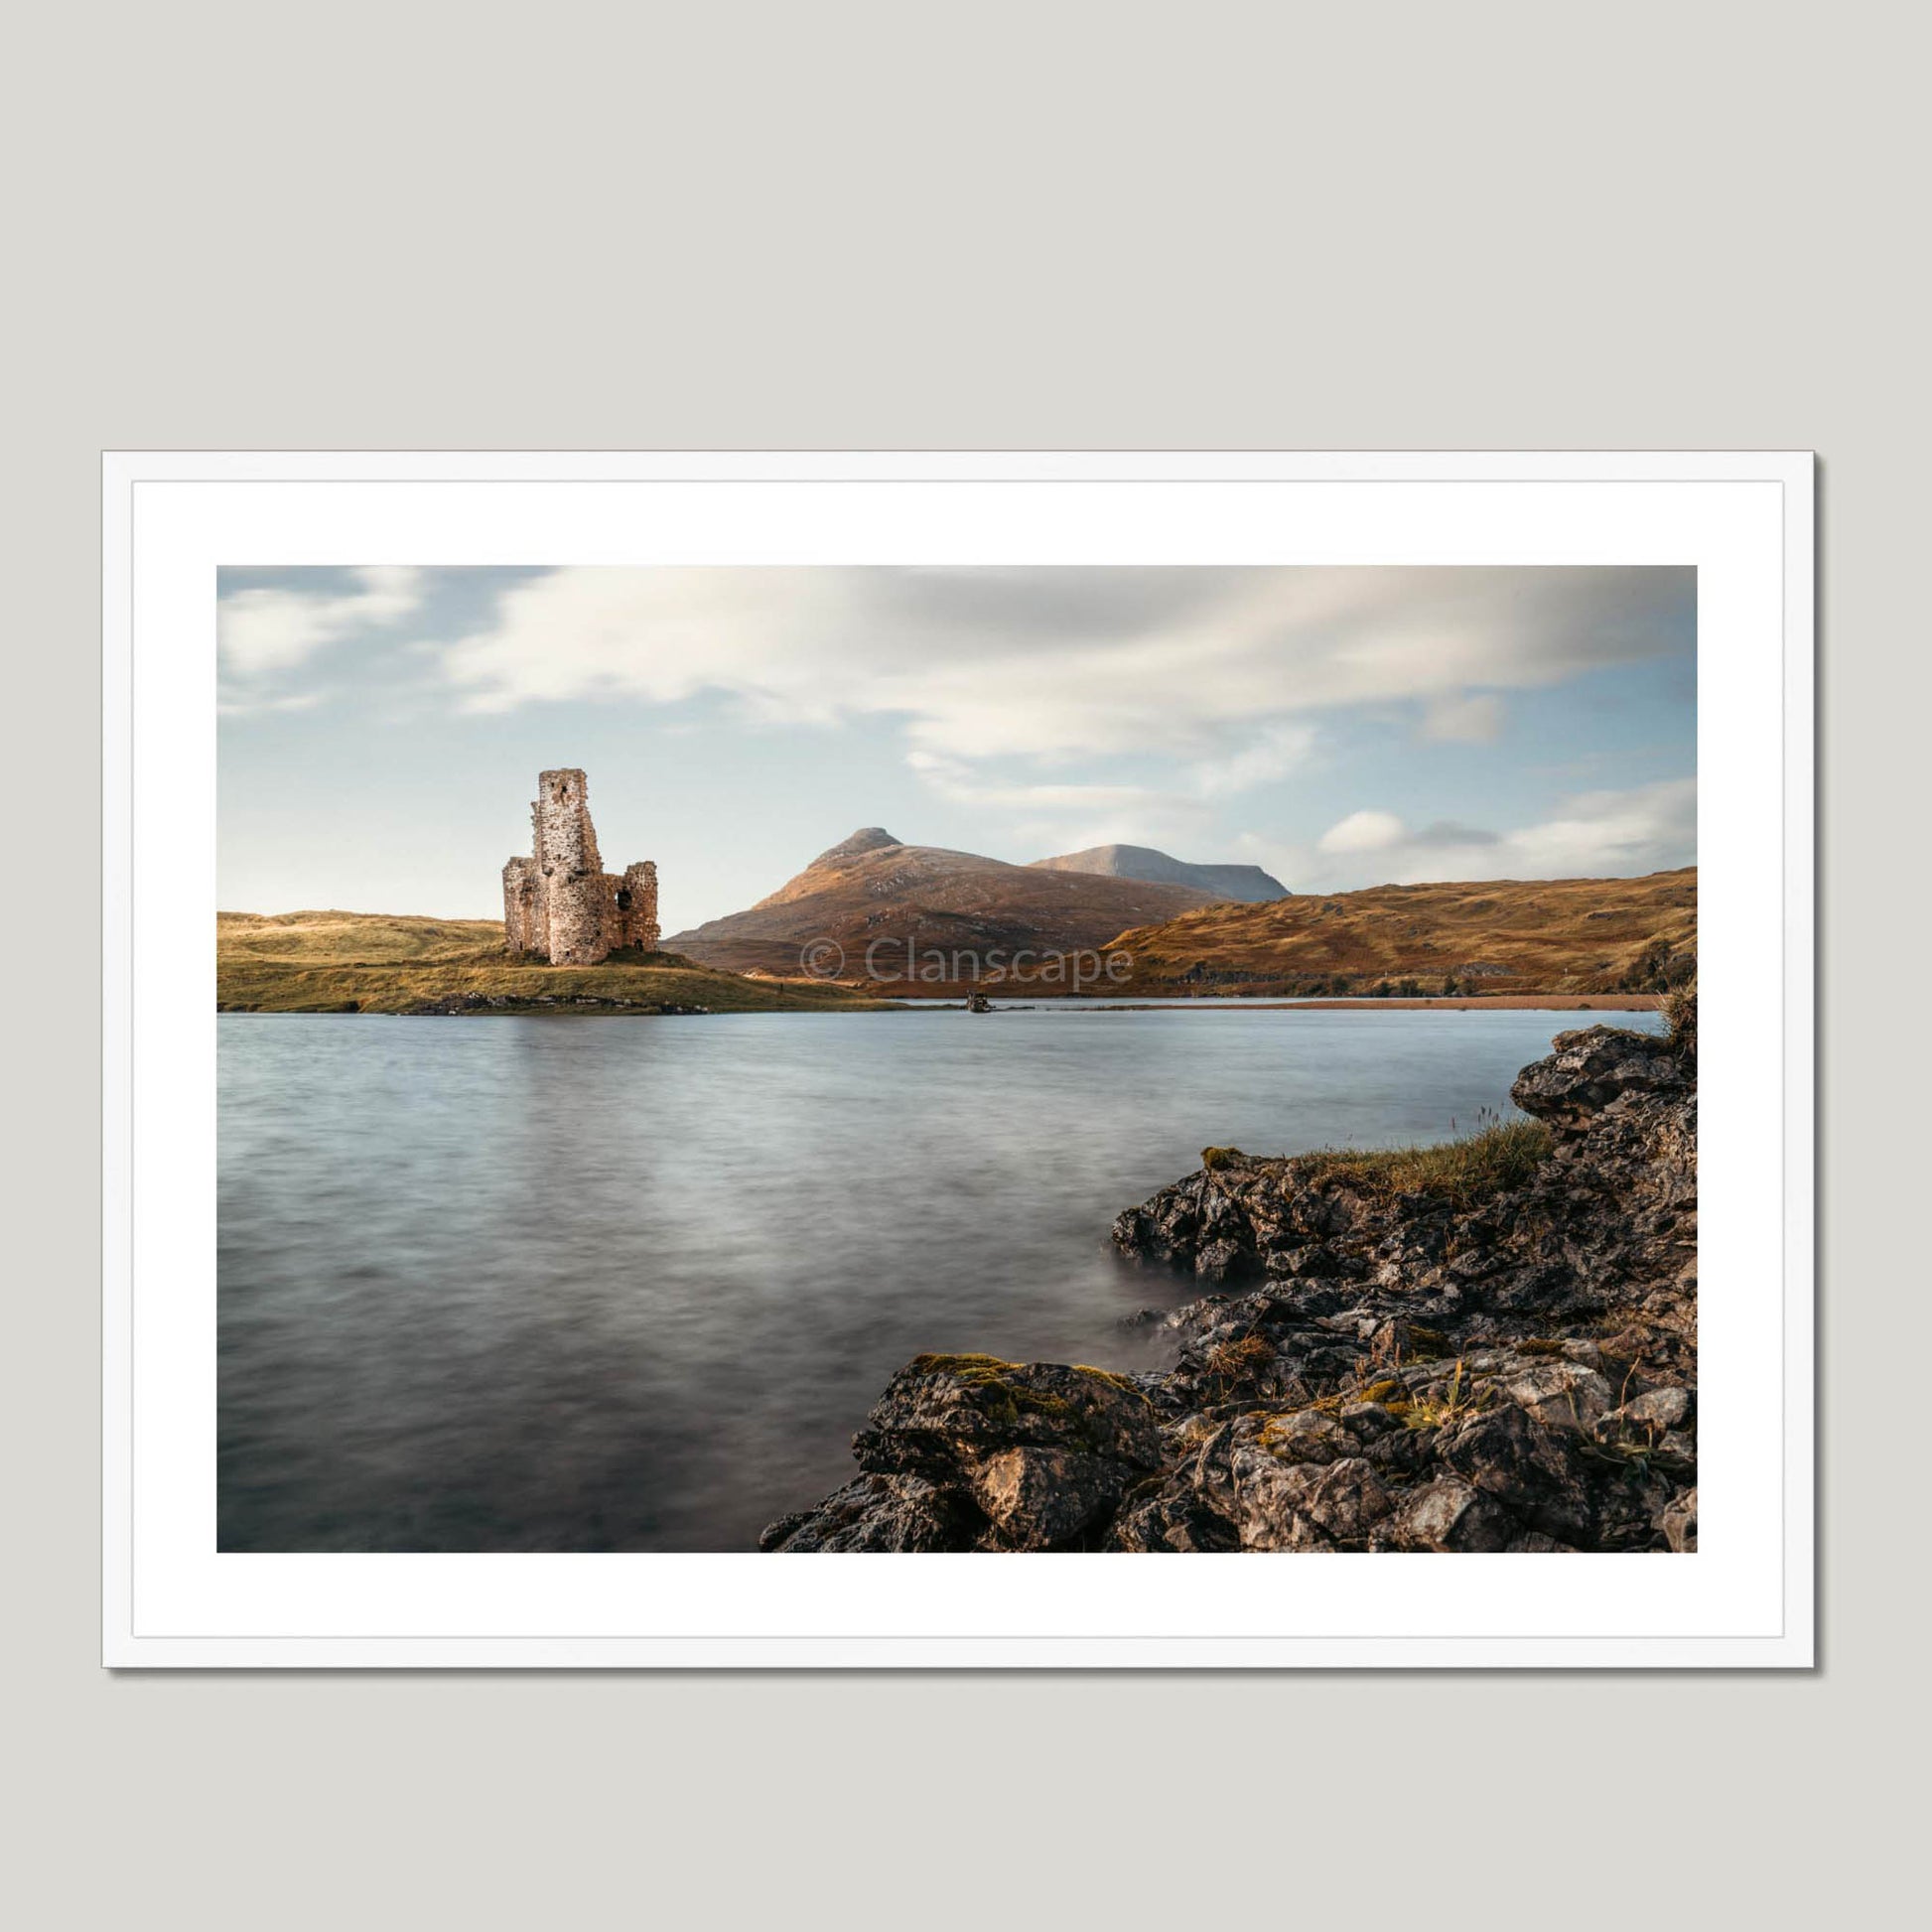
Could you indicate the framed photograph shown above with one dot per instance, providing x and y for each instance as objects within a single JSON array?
[{"x": 710, "y": 1058}]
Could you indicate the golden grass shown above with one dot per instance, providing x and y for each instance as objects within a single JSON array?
[
  {"x": 362, "y": 939},
  {"x": 1493, "y": 936},
  {"x": 1680, "y": 1010},
  {"x": 334, "y": 962},
  {"x": 1473, "y": 1167}
]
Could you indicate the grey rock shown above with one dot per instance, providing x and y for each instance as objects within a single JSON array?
[
  {"x": 1590, "y": 1068},
  {"x": 1561, "y": 1394},
  {"x": 875, "y": 1512},
  {"x": 1218, "y": 1261},
  {"x": 1038, "y": 1497},
  {"x": 1661, "y": 1419},
  {"x": 1448, "y": 1514},
  {"x": 1679, "y": 1521},
  {"x": 1533, "y": 1468}
]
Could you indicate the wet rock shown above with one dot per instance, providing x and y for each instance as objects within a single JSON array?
[
  {"x": 1219, "y": 1260},
  {"x": 1587, "y": 1071},
  {"x": 875, "y": 1512},
  {"x": 1021, "y": 1455},
  {"x": 940, "y": 1413}
]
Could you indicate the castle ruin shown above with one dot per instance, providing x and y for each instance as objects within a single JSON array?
[{"x": 559, "y": 904}]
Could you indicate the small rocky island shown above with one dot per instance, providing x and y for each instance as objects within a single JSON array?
[{"x": 1490, "y": 1345}]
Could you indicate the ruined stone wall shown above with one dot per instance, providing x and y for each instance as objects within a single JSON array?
[
  {"x": 560, "y": 818},
  {"x": 575, "y": 900},
  {"x": 559, "y": 904},
  {"x": 579, "y": 909},
  {"x": 637, "y": 907},
  {"x": 520, "y": 907}
]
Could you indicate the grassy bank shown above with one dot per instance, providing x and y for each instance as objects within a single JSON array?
[
  {"x": 346, "y": 962},
  {"x": 1466, "y": 1171}
]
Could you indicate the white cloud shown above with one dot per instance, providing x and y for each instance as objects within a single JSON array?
[
  {"x": 1049, "y": 663},
  {"x": 1364, "y": 832},
  {"x": 1073, "y": 816},
  {"x": 1275, "y": 751},
  {"x": 1007, "y": 680},
  {"x": 1646, "y": 830},
  {"x": 264, "y": 633},
  {"x": 1464, "y": 719},
  {"x": 1598, "y": 834},
  {"x": 1067, "y": 817}
]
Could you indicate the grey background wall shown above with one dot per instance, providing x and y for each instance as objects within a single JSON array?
[{"x": 1035, "y": 226}]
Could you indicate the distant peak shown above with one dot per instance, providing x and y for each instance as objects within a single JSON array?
[
  {"x": 867, "y": 838},
  {"x": 1247, "y": 885}
]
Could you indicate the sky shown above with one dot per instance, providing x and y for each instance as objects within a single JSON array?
[{"x": 382, "y": 728}]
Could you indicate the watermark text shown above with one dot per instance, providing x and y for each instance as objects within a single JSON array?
[{"x": 903, "y": 962}]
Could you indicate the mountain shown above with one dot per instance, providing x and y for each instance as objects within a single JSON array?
[
  {"x": 1248, "y": 884},
  {"x": 1504, "y": 935},
  {"x": 872, "y": 892}
]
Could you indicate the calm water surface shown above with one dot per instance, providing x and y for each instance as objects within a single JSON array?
[{"x": 621, "y": 1284}]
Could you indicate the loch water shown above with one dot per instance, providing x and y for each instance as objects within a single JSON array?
[{"x": 631, "y": 1284}]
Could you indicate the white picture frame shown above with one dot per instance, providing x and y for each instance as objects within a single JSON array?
[{"x": 1744, "y": 520}]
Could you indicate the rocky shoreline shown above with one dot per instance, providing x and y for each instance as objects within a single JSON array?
[{"x": 1490, "y": 1347}]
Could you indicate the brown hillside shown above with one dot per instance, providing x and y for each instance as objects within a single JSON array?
[
  {"x": 871, "y": 892},
  {"x": 1557, "y": 935},
  {"x": 369, "y": 938}
]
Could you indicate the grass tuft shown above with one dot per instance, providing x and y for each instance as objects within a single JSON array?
[
  {"x": 1454, "y": 1404},
  {"x": 1234, "y": 1360},
  {"x": 1680, "y": 1010},
  {"x": 1464, "y": 1171}
]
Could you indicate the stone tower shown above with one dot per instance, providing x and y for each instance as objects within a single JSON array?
[{"x": 559, "y": 904}]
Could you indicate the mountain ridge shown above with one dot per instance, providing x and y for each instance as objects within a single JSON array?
[
  {"x": 876, "y": 912},
  {"x": 1246, "y": 885},
  {"x": 870, "y": 894}
]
